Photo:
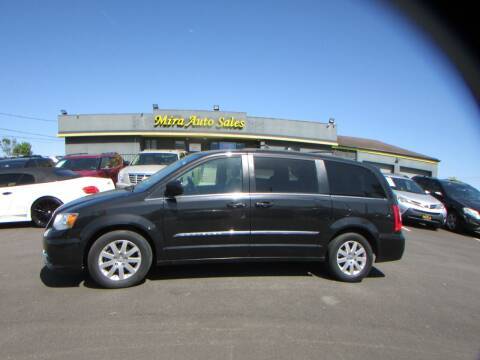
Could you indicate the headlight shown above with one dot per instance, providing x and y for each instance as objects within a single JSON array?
[
  {"x": 471, "y": 212},
  {"x": 65, "y": 221}
]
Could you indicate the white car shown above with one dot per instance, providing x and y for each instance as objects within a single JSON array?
[
  {"x": 147, "y": 163},
  {"x": 33, "y": 194},
  {"x": 415, "y": 204}
]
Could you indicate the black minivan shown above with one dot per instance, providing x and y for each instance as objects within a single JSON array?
[{"x": 240, "y": 205}]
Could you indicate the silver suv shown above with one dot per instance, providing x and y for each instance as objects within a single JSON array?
[
  {"x": 415, "y": 204},
  {"x": 145, "y": 164}
]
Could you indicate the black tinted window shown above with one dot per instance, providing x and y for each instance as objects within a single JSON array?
[
  {"x": 11, "y": 164},
  {"x": 285, "y": 175},
  {"x": 44, "y": 163},
  {"x": 352, "y": 180},
  {"x": 26, "y": 179}
]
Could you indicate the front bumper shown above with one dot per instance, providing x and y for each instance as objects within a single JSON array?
[
  {"x": 390, "y": 247},
  {"x": 62, "y": 252},
  {"x": 415, "y": 215},
  {"x": 471, "y": 224}
]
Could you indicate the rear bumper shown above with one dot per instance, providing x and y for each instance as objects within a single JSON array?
[
  {"x": 61, "y": 252},
  {"x": 390, "y": 247},
  {"x": 437, "y": 219}
]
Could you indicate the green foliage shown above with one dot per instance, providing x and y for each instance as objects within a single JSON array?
[
  {"x": 22, "y": 149},
  {"x": 7, "y": 145}
]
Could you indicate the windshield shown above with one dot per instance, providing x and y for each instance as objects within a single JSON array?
[
  {"x": 152, "y": 180},
  {"x": 405, "y": 184},
  {"x": 155, "y": 159},
  {"x": 461, "y": 191},
  {"x": 79, "y": 164}
]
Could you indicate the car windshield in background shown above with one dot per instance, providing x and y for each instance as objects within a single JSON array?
[
  {"x": 461, "y": 191},
  {"x": 11, "y": 164},
  {"x": 155, "y": 159},
  {"x": 79, "y": 164},
  {"x": 405, "y": 185},
  {"x": 146, "y": 184}
]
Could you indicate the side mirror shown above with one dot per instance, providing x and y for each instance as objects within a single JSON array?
[
  {"x": 126, "y": 163},
  {"x": 174, "y": 188},
  {"x": 438, "y": 193}
]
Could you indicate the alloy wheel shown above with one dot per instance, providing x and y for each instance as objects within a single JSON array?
[
  {"x": 43, "y": 210},
  {"x": 119, "y": 260},
  {"x": 351, "y": 258}
]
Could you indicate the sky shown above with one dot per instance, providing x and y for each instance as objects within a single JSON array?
[{"x": 356, "y": 61}]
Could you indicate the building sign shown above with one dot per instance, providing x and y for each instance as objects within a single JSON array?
[{"x": 169, "y": 121}]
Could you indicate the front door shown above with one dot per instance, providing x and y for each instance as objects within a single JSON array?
[
  {"x": 211, "y": 218},
  {"x": 289, "y": 213}
]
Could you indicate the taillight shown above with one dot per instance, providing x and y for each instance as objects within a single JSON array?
[
  {"x": 397, "y": 219},
  {"x": 90, "y": 190}
]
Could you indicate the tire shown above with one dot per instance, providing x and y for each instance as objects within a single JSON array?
[
  {"x": 356, "y": 267},
  {"x": 452, "y": 222},
  {"x": 123, "y": 268},
  {"x": 42, "y": 210}
]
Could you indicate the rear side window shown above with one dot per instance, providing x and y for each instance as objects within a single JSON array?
[
  {"x": 11, "y": 164},
  {"x": 353, "y": 180},
  {"x": 285, "y": 175},
  {"x": 44, "y": 163},
  {"x": 12, "y": 179},
  {"x": 26, "y": 179}
]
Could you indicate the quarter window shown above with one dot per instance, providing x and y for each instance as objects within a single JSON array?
[
  {"x": 214, "y": 177},
  {"x": 352, "y": 180},
  {"x": 285, "y": 175}
]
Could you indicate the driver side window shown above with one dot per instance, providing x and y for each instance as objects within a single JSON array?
[{"x": 214, "y": 177}]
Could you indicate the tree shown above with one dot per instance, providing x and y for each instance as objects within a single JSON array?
[
  {"x": 22, "y": 149},
  {"x": 7, "y": 145}
]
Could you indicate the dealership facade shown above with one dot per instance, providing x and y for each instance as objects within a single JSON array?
[{"x": 200, "y": 130}]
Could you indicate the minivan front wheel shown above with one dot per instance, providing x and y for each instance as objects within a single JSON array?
[
  {"x": 119, "y": 259},
  {"x": 350, "y": 257}
]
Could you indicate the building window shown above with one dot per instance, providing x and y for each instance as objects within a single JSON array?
[{"x": 180, "y": 145}]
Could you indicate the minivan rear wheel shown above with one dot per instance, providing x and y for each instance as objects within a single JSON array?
[
  {"x": 350, "y": 257},
  {"x": 119, "y": 259}
]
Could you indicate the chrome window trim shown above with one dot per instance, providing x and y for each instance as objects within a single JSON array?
[{"x": 359, "y": 197}]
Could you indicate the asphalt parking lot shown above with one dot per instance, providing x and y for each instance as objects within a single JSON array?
[{"x": 425, "y": 306}]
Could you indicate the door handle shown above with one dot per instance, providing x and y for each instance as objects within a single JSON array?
[
  {"x": 236, "y": 205},
  {"x": 264, "y": 204},
  {"x": 7, "y": 193}
]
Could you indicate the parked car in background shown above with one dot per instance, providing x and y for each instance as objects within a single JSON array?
[
  {"x": 25, "y": 162},
  {"x": 461, "y": 200},
  {"x": 145, "y": 164},
  {"x": 415, "y": 204},
  {"x": 33, "y": 194},
  {"x": 100, "y": 165},
  {"x": 229, "y": 206}
]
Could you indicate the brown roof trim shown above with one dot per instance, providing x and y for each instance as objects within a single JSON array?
[{"x": 375, "y": 145}]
